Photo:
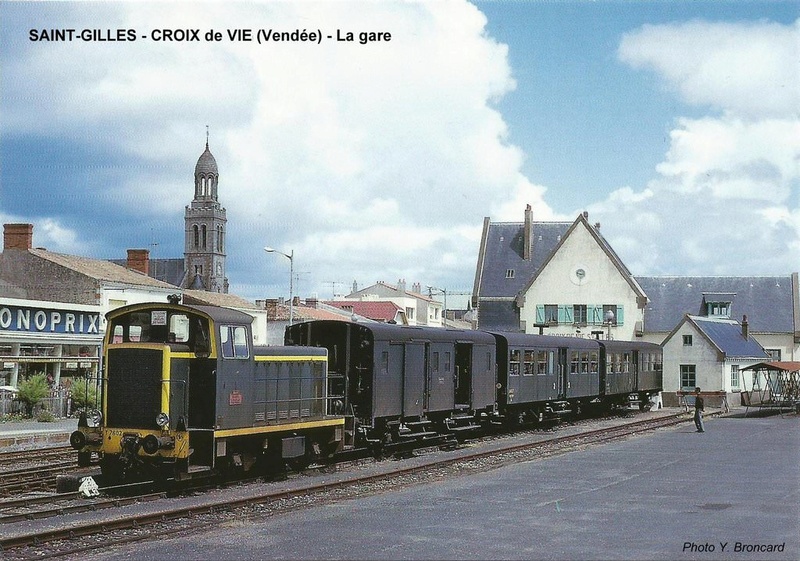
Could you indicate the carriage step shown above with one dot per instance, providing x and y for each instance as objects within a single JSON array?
[
  {"x": 416, "y": 435},
  {"x": 463, "y": 428}
]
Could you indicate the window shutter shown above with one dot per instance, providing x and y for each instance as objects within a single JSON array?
[
  {"x": 565, "y": 314},
  {"x": 539, "y": 313},
  {"x": 619, "y": 315},
  {"x": 596, "y": 315}
]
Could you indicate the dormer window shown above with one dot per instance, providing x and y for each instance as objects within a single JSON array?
[
  {"x": 718, "y": 309},
  {"x": 509, "y": 273},
  {"x": 718, "y": 304}
]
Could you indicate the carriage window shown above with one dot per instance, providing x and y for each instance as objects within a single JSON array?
[
  {"x": 584, "y": 363},
  {"x": 385, "y": 362},
  {"x": 447, "y": 362},
  {"x": 541, "y": 363},
  {"x": 574, "y": 363},
  {"x": 513, "y": 364},
  {"x": 530, "y": 363},
  {"x": 593, "y": 361},
  {"x": 435, "y": 362}
]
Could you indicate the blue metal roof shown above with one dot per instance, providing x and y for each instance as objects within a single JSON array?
[{"x": 727, "y": 336}]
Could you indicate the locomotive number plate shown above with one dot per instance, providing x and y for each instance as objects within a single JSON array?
[{"x": 235, "y": 398}]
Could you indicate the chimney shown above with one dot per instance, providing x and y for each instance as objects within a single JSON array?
[
  {"x": 527, "y": 234},
  {"x": 355, "y": 286},
  {"x": 311, "y": 302},
  {"x": 401, "y": 285},
  {"x": 745, "y": 327},
  {"x": 416, "y": 287},
  {"x": 139, "y": 260},
  {"x": 271, "y": 306},
  {"x": 18, "y": 236},
  {"x": 596, "y": 225}
]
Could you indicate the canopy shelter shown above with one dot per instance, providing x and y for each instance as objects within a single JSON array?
[{"x": 774, "y": 385}]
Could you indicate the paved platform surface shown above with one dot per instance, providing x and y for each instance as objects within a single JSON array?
[
  {"x": 732, "y": 492},
  {"x": 18, "y": 435}
]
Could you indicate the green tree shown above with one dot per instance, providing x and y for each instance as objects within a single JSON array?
[
  {"x": 83, "y": 393},
  {"x": 32, "y": 391}
]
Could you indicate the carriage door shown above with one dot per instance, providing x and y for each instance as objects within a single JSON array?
[
  {"x": 563, "y": 373},
  {"x": 462, "y": 377},
  {"x": 413, "y": 379}
]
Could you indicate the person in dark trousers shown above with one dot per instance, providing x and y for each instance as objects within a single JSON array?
[{"x": 699, "y": 407}]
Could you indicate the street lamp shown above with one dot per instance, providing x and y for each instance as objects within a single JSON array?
[
  {"x": 290, "y": 257},
  {"x": 609, "y": 320}
]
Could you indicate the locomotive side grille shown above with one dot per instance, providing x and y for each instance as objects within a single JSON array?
[{"x": 133, "y": 388}]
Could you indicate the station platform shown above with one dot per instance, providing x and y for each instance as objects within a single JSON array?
[
  {"x": 732, "y": 492},
  {"x": 22, "y": 435}
]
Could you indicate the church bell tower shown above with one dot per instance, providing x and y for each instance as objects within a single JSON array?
[{"x": 204, "y": 247}]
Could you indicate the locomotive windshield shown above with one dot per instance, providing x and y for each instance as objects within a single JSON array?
[{"x": 161, "y": 326}]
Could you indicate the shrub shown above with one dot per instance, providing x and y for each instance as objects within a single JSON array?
[
  {"x": 32, "y": 391},
  {"x": 83, "y": 393},
  {"x": 45, "y": 416}
]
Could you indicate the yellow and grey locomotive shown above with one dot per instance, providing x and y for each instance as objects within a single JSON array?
[{"x": 185, "y": 392}]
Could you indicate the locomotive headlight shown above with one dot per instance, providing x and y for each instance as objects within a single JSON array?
[{"x": 162, "y": 419}]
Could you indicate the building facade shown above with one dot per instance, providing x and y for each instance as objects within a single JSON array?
[
  {"x": 565, "y": 279},
  {"x": 52, "y": 312},
  {"x": 709, "y": 353},
  {"x": 417, "y": 308}
]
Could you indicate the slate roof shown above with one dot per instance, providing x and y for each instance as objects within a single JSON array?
[
  {"x": 502, "y": 249},
  {"x": 768, "y": 302},
  {"x": 726, "y": 336},
  {"x": 99, "y": 269},
  {"x": 167, "y": 270}
]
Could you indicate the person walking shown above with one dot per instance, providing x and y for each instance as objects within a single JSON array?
[{"x": 699, "y": 407}]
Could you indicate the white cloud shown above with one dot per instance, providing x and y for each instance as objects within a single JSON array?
[
  {"x": 365, "y": 159},
  {"x": 748, "y": 68},
  {"x": 725, "y": 198}
]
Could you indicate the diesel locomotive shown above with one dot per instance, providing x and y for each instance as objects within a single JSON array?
[
  {"x": 396, "y": 383},
  {"x": 185, "y": 392}
]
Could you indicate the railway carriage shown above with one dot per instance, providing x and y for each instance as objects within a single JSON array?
[
  {"x": 544, "y": 376},
  {"x": 400, "y": 382},
  {"x": 185, "y": 392},
  {"x": 632, "y": 368}
]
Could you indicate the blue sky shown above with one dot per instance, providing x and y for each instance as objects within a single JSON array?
[{"x": 675, "y": 124}]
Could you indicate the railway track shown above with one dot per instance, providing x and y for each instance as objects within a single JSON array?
[
  {"x": 179, "y": 516},
  {"x": 38, "y": 456},
  {"x": 37, "y": 478}
]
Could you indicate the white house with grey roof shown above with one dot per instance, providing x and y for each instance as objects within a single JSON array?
[
  {"x": 560, "y": 279},
  {"x": 709, "y": 352}
]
